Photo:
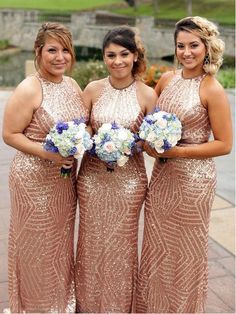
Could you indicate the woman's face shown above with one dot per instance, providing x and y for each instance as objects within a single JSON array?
[
  {"x": 119, "y": 61},
  {"x": 55, "y": 59},
  {"x": 190, "y": 51}
]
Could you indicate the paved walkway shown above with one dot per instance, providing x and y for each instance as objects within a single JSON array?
[{"x": 221, "y": 296}]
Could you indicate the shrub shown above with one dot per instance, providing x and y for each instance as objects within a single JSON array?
[
  {"x": 86, "y": 72},
  {"x": 227, "y": 77},
  {"x": 3, "y": 44}
]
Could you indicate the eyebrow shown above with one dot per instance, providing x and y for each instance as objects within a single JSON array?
[
  {"x": 192, "y": 42},
  {"x": 111, "y": 51}
]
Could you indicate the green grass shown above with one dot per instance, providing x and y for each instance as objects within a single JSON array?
[
  {"x": 57, "y": 5},
  {"x": 222, "y": 11}
]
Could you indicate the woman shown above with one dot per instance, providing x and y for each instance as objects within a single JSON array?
[
  {"x": 110, "y": 202},
  {"x": 43, "y": 204},
  {"x": 173, "y": 271}
]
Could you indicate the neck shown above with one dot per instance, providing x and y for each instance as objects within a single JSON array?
[
  {"x": 191, "y": 74},
  {"x": 121, "y": 84},
  {"x": 51, "y": 78}
]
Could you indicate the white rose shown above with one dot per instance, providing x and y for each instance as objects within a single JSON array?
[
  {"x": 127, "y": 151},
  {"x": 105, "y": 127},
  {"x": 158, "y": 144},
  {"x": 172, "y": 140},
  {"x": 162, "y": 123},
  {"x": 142, "y": 135},
  {"x": 97, "y": 139},
  {"x": 151, "y": 137},
  {"x": 109, "y": 147},
  {"x": 122, "y": 135},
  {"x": 122, "y": 161}
]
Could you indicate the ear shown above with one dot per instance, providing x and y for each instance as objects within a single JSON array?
[{"x": 135, "y": 56}]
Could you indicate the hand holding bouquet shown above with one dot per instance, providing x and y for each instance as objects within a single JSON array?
[
  {"x": 113, "y": 144},
  {"x": 68, "y": 139},
  {"x": 162, "y": 130}
]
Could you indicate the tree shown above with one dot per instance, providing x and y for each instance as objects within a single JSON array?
[
  {"x": 155, "y": 6},
  {"x": 189, "y": 7}
]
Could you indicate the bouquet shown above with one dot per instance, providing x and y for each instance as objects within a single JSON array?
[
  {"x": 162, "y": 130},
  {"x": 68, "y": 139},
  {"x": 113, "y": 144}
]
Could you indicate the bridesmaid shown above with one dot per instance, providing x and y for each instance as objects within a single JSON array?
[
  {"x": 173, "y": 272},
  {"x": 43, "y": 204},
  {"x": 110, "y": 202}
]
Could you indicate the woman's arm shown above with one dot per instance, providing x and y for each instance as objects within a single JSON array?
[
  {"x": 215, "y": 100},
  {"x": 18, "y": 114}
]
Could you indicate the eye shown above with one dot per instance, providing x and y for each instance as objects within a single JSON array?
[
  {"x": 110, "y": 55},
  {"x": 66, "y": 50},
  {"x": 180, "y": 46},
  {"x": 194, "y": 45},
  {"x": 52, "y": 50},
  {"x": 125, "y": 54}
]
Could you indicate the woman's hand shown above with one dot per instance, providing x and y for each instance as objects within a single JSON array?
[
  {"x": 174, "y": 152},
  {"x": 57, "y": 159}
]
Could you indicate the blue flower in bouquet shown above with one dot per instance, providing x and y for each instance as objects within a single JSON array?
[
  {"x": 69, "y": 139},
  {"x": 162, "y": 130},
  {"x": 114, "y": 144}
]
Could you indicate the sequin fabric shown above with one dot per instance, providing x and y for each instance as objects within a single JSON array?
[
  {"x": 173, "y": 272},
  {"x": 110, "y": 203},
  {"x": 43, "y": 205}
]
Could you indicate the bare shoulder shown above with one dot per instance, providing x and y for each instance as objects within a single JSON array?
[
  {"x": 95, "y": 87},
  {"x": 212, "y": 84},
  {"x": 93, "y": 90},
  {"x": 164, "y": 81},
  {"x": 28, "y": 89},
  {"x": 146, "y": 90},
  {"x": 211, "y": 89}
]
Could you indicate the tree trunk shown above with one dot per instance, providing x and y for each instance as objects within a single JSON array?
[
  {"x": 155, "y": 6},
  {"x": 189, "y": 7}
]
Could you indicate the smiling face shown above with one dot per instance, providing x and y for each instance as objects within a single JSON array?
[
  {"x": 190, "y": 52},
  {"x": 119, "y": 61},
  {"x": 55, "y": 60}
]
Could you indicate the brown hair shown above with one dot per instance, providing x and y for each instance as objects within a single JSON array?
[
  {"x": 128, "y": 38},
  {"x": 209, "y": 35},
  {"x": 57, "y": 31}
]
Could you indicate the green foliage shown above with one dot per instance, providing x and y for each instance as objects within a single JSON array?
[
  {"x": 85, "y": 72},
  {"x": 227, "y": 77},
  {"x": 4, "y": 43},
  {"x": 58, "y": 5},
  {"x": 221, "y": 11}
]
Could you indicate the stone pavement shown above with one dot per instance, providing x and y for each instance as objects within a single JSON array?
[{"x": 221, "y": 295}]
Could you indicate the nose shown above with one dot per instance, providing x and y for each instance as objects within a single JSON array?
[
  {"x": 60, "y": 55},
  {"x": 118, "y": 60},
  {"x": 187, "y": 51}
]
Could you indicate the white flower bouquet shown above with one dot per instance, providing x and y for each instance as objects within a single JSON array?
[
  {"x": 69, "y": 139},
  {"x": 162, "y": 130},
  {"x": 113, "y": 144}
]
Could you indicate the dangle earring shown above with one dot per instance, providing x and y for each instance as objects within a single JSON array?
[{"x": 206, "y": 60}]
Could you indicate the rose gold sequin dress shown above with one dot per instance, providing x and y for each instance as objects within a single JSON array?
[
  {"x": 173, "y": 272},
  {"x": 43, "y": 205},
  {"x": 110, "y": 203}
]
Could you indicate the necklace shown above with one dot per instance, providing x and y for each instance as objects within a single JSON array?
[{"x": 120, "y": 88}]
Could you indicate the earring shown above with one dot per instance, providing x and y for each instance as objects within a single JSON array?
[{"x": 206, "y": 60}]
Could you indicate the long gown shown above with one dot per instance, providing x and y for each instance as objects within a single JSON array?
[
  {"x": 43, "y": 205},
  {"x": 173, "y": 273},
  {"x": 109, "y": 205}
]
